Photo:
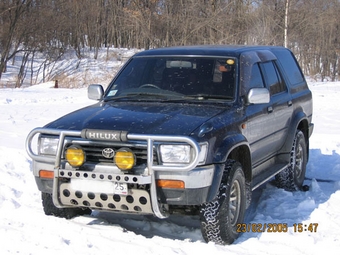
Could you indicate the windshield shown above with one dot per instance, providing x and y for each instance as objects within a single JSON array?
[{"x": 169, "y": 78}]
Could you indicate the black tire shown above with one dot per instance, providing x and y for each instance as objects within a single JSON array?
[
  {"x": 219, "y": 218},
  {"x": 67, "y": 213},
  {"x": 292, "y": 178}
]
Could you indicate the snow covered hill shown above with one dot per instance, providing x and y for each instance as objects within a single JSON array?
[{"x": 24, "y": 229}]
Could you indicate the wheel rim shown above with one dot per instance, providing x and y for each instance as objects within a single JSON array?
[
  {"x": 298, "y": 160},
  {"x": 235, "y": 202}
]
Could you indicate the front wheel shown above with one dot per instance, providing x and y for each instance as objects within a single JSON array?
[
  {"x": 219, "y": 218},
  {"x": 292, "y": 177}
]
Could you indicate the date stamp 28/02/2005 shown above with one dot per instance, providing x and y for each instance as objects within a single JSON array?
[{"x": 275, "y": 227}]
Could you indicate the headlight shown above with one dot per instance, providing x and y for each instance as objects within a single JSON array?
[
  {"x": 171, "y": 153},
  {"x": 75, "y": 156},
  {"x": 48, "y": 146}
]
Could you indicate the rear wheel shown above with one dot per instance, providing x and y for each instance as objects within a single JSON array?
[
  {"x": 292, "y": 177},
  {"x": 68, "y": 213},
  {"x": 219, "y": 218}
]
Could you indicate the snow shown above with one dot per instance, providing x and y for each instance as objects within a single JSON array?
[{"x": 24, "y": 228}]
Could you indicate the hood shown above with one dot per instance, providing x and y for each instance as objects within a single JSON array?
[{"x": 139, "y": 118}]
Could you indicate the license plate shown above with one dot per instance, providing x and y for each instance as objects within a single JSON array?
[
  {"x": 99, "y": 186},
  {"x": 120, "y": 188}
]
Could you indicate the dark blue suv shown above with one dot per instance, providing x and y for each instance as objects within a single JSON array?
[{"x": 184, "y": 129}]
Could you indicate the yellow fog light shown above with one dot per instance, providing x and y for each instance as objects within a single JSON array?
[
  {"x": 124, "y": 159},
  {"x": 75, "y": 156}
]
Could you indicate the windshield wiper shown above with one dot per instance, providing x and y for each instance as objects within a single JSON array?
[
  {"x": 141, "y": 96},
  {"x": 148, "y": 95},
  {"x": 136, "y": 96},
  {"x": 112, "y": 98},
  {"x": 208, "y": 96}
]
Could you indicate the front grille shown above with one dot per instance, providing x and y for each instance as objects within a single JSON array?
[{"x": 94, "y": 153}]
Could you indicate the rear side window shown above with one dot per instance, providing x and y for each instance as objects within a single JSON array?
[
  {"x": 290, "y": 66},
  {"x": 272, "y": 78}
]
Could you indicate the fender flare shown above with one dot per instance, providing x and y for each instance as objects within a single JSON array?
[
  {"x": 222, "y": 154},
  {"x": 228, "y": 144},
  {"x": 299, "y": 117}
]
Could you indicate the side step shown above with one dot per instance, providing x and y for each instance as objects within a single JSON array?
[{"x": 267, "y": 174}]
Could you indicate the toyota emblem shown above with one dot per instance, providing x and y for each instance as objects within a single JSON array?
[{"x": 108, "y": 153}]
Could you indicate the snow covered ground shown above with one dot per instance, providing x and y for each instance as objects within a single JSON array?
[{"x": 24, "y": 229}]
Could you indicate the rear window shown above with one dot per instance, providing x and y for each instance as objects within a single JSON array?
[{"x": 290, "y": 66}]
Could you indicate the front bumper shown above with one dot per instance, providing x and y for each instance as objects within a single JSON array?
[
  {"x": 197, "y": 181},
  {"x": 143, "y": 195}
]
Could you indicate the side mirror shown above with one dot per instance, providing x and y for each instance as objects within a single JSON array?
[
  {"x": 258, "y": 96},
  {"x": 95, "y": 92}
]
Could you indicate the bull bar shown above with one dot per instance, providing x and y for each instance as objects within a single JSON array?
[{"x": 151, "y": 168}]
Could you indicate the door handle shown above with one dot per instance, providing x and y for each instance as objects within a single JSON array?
[
  {"x": 270, "y": 109},
  {"x": 290, "y": 103}
]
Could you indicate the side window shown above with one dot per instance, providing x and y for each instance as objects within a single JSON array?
[
  {"x": 256, "y": 80},
  {"x": 272, "y": 78}
]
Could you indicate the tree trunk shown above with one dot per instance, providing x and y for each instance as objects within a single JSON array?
[{"x": 22, "y": 70}]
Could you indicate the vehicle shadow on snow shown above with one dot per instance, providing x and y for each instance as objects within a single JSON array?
[
  {"x": 176, "y": 227},
  {"x": 269, "y": 205}
]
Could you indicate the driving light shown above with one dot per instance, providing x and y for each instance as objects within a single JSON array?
[
  {"x": 48, "y": 145},
  {"x": 75, "y": 156},
  {"x": 124, "y": 159},
  {"x": 172, "y": 153}
]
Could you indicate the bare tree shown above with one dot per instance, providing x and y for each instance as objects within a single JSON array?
[
  {"x": 310, "y": 28},
  {"x": 11, "y": 12},
  {"x": 286, "y": 24}
]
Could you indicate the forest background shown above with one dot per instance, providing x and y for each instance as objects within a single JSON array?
[{"x": 32, "y": 28}]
